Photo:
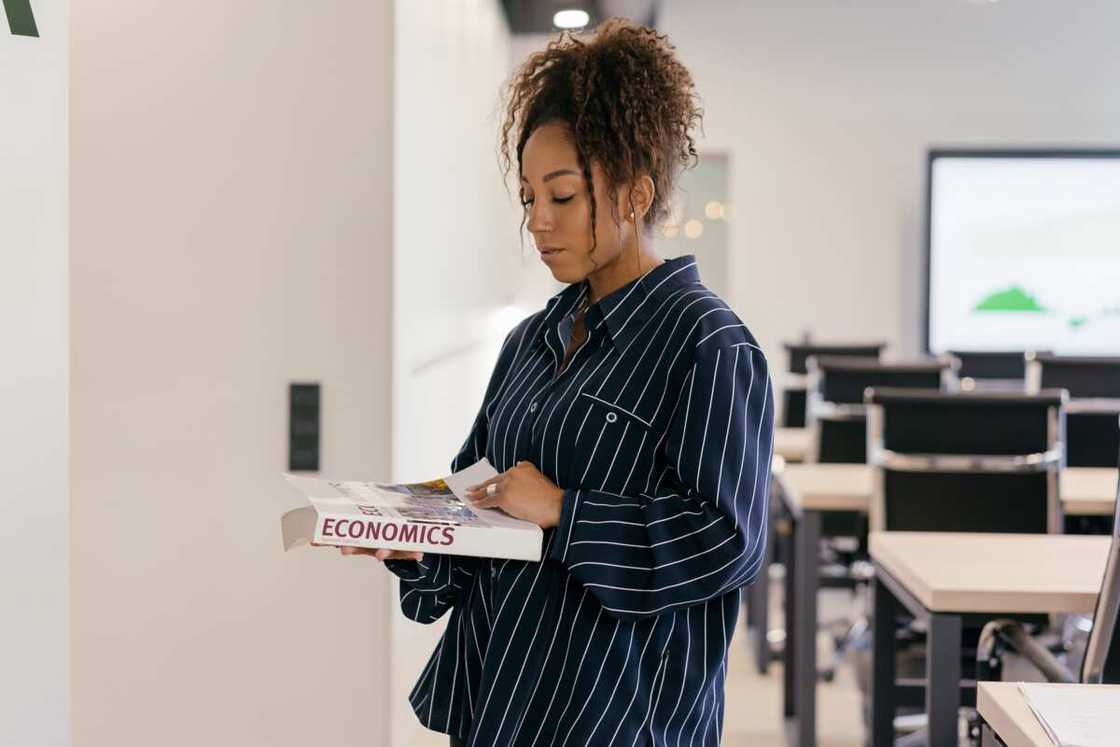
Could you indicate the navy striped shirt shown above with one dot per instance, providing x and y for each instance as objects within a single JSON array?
[{"x": 660, "y": 431}]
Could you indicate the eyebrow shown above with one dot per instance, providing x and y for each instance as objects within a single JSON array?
[{"x": 552, "y": 175}]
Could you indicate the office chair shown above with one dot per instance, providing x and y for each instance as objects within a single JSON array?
[
  {"x": 793, "y": 416},
  {"x": 966, "y": 461},
  {"x": 837, "y": 414},
  {"x": 793, "y": 394},
  {"x": 963, "y": 462},
  {"x": 1092, "y": 438},
  {"x": 837, "y": 425},
  {"x": 991, "y": 370},
  {"x": 1100, "y": 663}
]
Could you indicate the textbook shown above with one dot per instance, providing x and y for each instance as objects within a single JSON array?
[{"x": 432, "y": 517}]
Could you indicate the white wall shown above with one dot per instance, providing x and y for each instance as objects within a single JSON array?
[
  {"x": 231, "y": 228},
  {"x": 460, "y": 277},
  {"x": 34, "y": 470},
  {"x": 827, "y": 109},
  {"x": 458, "y": 258}
]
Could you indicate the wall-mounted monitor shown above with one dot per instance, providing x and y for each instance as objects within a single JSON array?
[{"x": 1023, "y": 251}]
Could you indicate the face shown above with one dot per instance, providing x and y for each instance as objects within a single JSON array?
[{"x": 558, "y": 212}]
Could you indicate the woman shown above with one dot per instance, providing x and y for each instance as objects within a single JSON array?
[{"x": 631, "y": 419}]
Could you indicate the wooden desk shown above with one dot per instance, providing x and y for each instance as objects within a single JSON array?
[
  {"x": 802, "y": 493},
  {"x": 947, "y": 578},
  {"x": 791, "y": 443},
  {"x": 1005, "y": 711},
  {"x": 1088, "y": 491}
]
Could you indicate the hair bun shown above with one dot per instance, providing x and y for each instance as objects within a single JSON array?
[{"x": 630, "y": 104}]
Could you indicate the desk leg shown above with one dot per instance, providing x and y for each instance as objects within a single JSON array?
[
  {"x": 760, "y": 603},
  {"x": 943, "y": 679},
  {"x": 789, "y": 647},
  {"x": 806, "y": 537},
  {"x": 883, "y": 666}
]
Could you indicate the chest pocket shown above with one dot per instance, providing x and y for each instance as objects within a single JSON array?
[
  {"x": 611, "y": 446},
  {"x": 612, "y": 413}
]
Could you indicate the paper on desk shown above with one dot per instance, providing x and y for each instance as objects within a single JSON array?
[{"x": 1075, "y": 717}]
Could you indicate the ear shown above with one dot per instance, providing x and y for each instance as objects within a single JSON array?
[{"x": 639, "y": 198}]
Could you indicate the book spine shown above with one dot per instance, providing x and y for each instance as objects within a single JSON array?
[{"x": 430, "y": 537}]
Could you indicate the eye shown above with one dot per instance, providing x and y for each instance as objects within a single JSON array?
[{"x": 560, "y": 200}]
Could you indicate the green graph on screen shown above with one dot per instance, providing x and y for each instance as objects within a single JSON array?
[{"x": 1010, "y": 299}]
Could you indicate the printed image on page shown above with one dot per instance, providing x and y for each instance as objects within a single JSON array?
[
  {"x": 374, "y": 514},
  {"x": 441, "y": 501},
  {"x": 420, "y": 501}
]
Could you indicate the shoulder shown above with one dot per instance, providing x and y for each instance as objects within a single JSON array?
[{"x": 710, "y": 325}]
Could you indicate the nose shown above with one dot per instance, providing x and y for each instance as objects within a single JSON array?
[{"x": 540, "y": 221}]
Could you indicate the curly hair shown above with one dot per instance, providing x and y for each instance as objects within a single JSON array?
[{"x": 628, "y": 102}]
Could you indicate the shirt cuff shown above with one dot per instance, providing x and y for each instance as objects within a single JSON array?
[
  {"x": 406, "y": 570},
  {"x": 563, "y": 536}
]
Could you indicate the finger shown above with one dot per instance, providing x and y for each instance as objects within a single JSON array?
[
  {"x": 486, "y": 491},
  {"x": 482, "y": 485},
  {"x": 356, "y": 551},
  {"x": 487, "y": 501}
]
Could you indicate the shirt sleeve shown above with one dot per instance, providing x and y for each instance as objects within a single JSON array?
[
  {"x": 431, "y": 586},
  {"x": 700, "y": 531}
]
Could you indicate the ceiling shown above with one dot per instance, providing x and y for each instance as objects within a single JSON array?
[{"x": 535, "y": 16}]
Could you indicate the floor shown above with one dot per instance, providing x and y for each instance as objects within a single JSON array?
[{"x": 754, "y": 701}]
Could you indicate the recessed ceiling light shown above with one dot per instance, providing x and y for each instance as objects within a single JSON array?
[{"x": 571, "y": 19}]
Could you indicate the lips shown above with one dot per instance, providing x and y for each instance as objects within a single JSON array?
[{"x": 547, "y": 250}]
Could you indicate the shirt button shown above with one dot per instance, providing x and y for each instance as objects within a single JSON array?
[
  {"x": 533, "y": 407},
  {"x": 611, "y": 417}
]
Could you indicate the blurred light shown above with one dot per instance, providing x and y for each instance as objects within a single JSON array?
[
  {"x": 968, "y": 384},
  {"x": 714, "y": 210},
  {"x": 693, "y": 229},
  {"x": 671, "y": 230},
  {"x": 505, "y": 318},
  {"x": 571, "y": 19}
]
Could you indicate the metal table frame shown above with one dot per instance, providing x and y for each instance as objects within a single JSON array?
[{"x": 943, "y": 682}]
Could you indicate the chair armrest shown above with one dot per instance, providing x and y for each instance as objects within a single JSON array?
[{"x": 1010, "y": 634}]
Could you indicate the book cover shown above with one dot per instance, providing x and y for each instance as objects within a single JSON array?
[{"x": 430, "y": 517}]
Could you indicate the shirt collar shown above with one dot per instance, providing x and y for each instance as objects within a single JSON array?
[{"x": 621, "y": 313}]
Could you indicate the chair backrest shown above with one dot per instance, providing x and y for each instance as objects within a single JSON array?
[
  {"x": 992, "y": 365},
  {"x": 1102, "y": 654},
  {"x": 1092, "y": 439},
  {"x": 966, "y": 461},
  {"x": 837, "y": 415},
  {"x": 1085, "y": 377},
  {"x": 793, "y": 393}
]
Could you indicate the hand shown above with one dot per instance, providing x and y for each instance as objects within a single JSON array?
[
  {"x": 522, "y": 492},
  {"x": 382, "y": 554}
]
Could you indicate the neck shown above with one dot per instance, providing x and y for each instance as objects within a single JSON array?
[{"x": 624, "y": 269}]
